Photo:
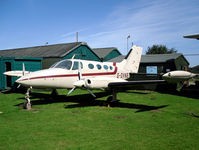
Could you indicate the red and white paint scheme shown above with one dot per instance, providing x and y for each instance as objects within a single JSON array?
[
  {"x": 96, "y": 75},
  {"x": 88, "y": 75},
  {"x": 75, "y": 73}
]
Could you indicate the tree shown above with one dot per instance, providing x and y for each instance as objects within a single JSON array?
[{"x": 160, "y": 49}]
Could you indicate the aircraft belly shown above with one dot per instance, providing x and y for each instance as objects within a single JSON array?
[{"x": 59, "y": 83}]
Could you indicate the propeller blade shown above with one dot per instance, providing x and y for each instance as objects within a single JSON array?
[
  {"x": 71, "y": 90},
  {"x": 23, "y": 69},
  {"x": 79, "y": 71},
  {"x": 18, "y": 86},
  {"x": 91, "y": 92}
]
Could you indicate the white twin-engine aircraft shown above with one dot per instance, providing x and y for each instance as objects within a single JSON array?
[{"x": 75, "y": 73}]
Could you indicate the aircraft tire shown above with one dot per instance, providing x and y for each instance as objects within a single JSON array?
[
  {"x": 27, "y": 105},
  {"x": 109, "y": 99}
]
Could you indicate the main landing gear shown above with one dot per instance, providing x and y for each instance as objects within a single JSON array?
[
  {"x": 112, "y": 99},
  {"x": 27, "y": 104}
]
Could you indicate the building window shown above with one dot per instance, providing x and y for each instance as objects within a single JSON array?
[{"x": 151, "y": 69}]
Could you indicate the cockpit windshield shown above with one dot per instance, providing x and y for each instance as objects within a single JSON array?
[{"x": 64, "y": 64}]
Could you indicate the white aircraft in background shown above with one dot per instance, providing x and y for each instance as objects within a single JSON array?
[
  {"x": 88, "y": 75},
  {"x": 179, "y": 76}
]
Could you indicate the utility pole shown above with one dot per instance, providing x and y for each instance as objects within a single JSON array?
[
  {"x": 128, "y": 43},
  {"x": 77, "y": 36}
]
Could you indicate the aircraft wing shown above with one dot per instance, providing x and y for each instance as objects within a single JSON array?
[
  {"x": 134, "y": 84},
  {"x": 16, "y": 73}
]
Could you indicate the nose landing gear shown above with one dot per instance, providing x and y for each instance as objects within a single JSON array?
[{"x": 27, "y": 104}]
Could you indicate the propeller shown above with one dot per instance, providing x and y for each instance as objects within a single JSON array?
[
  {"x": 81, "y": 82},
  {"x": 23, "y": 73}
]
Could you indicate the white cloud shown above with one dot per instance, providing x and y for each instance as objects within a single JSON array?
[
  {"x": 148, "y": 23},
  {"x": 156, "y": 22}
]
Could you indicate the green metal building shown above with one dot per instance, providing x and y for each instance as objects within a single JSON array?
[
  {"x": 106, "y": 54},
  {"x": 152, "y": 66},
  {"x": 53, "y": 53},
  {"x": 16, "y": 63},
  {"x": 40, "y": 57},
  {"x": 156, "y": 64}
]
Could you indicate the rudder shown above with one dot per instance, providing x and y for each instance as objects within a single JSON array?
[{"x": 132, "y": 60}]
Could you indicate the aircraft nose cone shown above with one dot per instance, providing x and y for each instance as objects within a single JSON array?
[
  {"x": 166, "y": 75},
  {"x": 18, "y": 81}
]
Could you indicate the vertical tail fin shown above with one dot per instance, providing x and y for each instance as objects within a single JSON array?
[{"x": 132, "y": 60}]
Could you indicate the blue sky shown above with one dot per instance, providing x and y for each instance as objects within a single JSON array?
[{"x": 101, "y": 23}]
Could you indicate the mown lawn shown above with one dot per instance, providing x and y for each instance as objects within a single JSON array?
[{"x": 141, "y": 120}]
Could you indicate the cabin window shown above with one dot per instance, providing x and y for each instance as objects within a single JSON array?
[
  {"x": 76, "y": 65},
  {"x": 111, "y": 68},
  {"x": 106, "y": 67},
  {"x": 99, "y": 67},
  {"x": 90, "y": 66},
  {"x": 64, "y": 64}
]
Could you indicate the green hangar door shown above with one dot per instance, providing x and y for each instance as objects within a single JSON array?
[
  {"x": 8, "y": 78},
  {"x": 16, "y": 64}
]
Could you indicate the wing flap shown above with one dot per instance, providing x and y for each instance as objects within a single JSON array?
[{"x": 134, "y": 84}]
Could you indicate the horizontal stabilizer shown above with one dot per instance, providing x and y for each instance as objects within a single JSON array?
[{"x": 16, "y": 73}]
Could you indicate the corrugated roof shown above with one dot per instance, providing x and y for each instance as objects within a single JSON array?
[
  {"x": 57, "y": 50},
  {"x": 117, "y": 59},
  {"x": 155, "y": 58},
  {"x": 159, "y": 58},
  {"x": 103, "y": 52}
]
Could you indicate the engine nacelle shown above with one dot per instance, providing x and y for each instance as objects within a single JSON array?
[
  {"x": 178, "y": 76},
  {"x": 96, "y": 83}
]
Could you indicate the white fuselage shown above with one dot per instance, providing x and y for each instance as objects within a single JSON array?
[
  {"x": 62, "y": 78},
  {"x": 74, "y": 73}
]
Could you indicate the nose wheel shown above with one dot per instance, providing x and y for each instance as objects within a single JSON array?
[{"x": 27, "y": 104}]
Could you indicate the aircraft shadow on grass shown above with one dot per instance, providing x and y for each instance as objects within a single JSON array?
[{"x": 86, "y": 100}]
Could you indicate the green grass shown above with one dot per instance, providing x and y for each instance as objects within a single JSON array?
[{"x": 141, "y": 120}]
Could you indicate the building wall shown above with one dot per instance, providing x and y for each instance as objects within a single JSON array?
[
  {"x": 112, "y": 55},
  {"x": 47, "y": 62},
  {"x": 181, "y": 64},
  {"x": 84, "y": 53},
  {"x": 31, "y": 64},
  {"x": 1, "y": 74}
]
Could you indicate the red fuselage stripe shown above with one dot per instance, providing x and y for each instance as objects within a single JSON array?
[{"x": 74, "y": 75}]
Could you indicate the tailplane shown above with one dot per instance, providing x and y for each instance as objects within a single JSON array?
[{"x": 132, "y": 60}]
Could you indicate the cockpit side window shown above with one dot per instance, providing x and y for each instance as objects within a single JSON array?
[
  {"x": 54, "y": 65},
  {"x": 76, "y": 65},
  {"x": 65, "y": 64}
]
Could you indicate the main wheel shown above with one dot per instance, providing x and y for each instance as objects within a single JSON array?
[
  {"x": 27, "y": 105},
  {"x": 109, "y": 99}
]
